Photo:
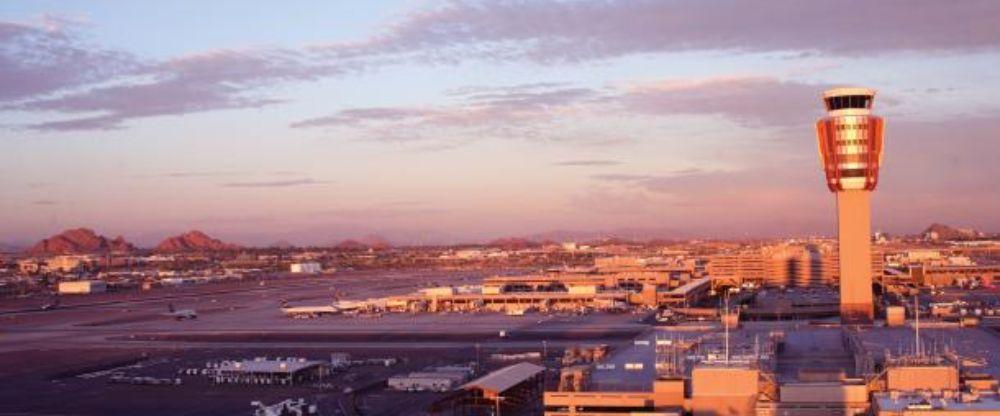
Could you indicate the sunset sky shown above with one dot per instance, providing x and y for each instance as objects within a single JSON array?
[{"x": 422, "y": 121}]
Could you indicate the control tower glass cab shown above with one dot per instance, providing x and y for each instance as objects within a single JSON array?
[
  {"x": 850, "y": 139},
  {"x": 850, "y": 147}
]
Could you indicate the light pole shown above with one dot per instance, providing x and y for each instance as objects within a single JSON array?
[{"x": 478, "y": 365}]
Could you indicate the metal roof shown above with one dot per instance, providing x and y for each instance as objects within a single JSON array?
[
  {"x": 505, "y": 378},
  {"x": 692, "y": 285},
  {"x": 845, "y": 91}
]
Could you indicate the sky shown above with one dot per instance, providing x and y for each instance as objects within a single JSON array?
[{"x": 460, "y": 121}]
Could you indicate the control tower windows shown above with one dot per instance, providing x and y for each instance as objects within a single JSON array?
[{"x": 849, "y": 101}]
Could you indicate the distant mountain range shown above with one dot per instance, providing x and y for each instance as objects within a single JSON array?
[
  {"x": 620, "y": 234},
  {"x": 86, "y": 241},
  {"x": 514, "y": 243}
]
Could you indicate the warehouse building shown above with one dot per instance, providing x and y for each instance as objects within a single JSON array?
[
  {"x": 509, "y": 390},
  {"x": 440, "y": 379},
  {"x": 267, "y": 371},
  {"x": 306, "y": 268},
  {"x": 82, "y": 287}
]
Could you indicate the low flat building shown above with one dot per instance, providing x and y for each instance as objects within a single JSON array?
[
  {"x": 82, "y": 287},
  {"x": 271, "y": 371},
  {"x": 955, "y": 403},
  {"x": 826, "y": 398},
  {"x": 305, "y": 268},
  {"x": 66, "y": 263},
  {"x": 666, "y": 398},
  {"x": 439, "y": 381},
  {"x": 514, "y": 387},
  {"x": 953, "y": 275},
  {"x": 688, "y": 294}
]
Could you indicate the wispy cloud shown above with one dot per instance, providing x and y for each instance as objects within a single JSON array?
[
  {"x": 530, "y": 111},
  {"x": 276, "y": 184},
  {"x": 222, "y": 79},
  {"x": 924, "y": 179},
  {"x": 45, "y": 56},
  {"x": 514, "y": 111},
  {"x": 753, "y": 101},
  {"x": 476, "y": 108},
  {"x": 588, "y": 162},
  {"x": 379, "y": 212},
  {"x": 587, "y": 30},
  {"x": 191, "y": 174}
]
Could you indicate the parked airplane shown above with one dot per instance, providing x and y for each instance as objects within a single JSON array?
[
  {"x": 53, "y": 304},
  {"x": 320, "y": 310},
  {"x": 181, "y": 314}
]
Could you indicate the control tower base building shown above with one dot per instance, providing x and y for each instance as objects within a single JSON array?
[{"x": 850, "y": 147}]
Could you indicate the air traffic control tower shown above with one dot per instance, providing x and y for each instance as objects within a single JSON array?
[{"x": 850, "y": 147}]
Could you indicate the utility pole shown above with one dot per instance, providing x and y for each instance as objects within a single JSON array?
[
  {"x": 916, "y": 324},
  {"x": 725, "y": 323},
  {"x": 478, "y": 364}
]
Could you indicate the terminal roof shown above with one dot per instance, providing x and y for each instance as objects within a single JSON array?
[{"x": 505, "y": 378}]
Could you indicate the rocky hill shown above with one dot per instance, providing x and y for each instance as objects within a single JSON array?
[
  {"x": 370, "y": 241},
  {"x": 193, "y": 241},
  {"x": 376, "y": 242},
  {"x": 941, "y": 232},
  {"x": 80, "y": 241}
]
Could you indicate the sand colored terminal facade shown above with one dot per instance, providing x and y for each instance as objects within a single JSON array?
[{"x": 850, "y": 146}]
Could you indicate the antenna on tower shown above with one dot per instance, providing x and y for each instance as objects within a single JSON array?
[{"x": 756, "y": 347}]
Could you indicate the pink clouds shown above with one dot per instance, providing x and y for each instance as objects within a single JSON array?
[
  {"x": 276, "y": 184},
  {"x": 504, "y": 111},
  {"x": 934, "y": 171},
  {"x": 222, "y": 79},
  {"x": 746, "y": 100},
  {"x": 42, "y": 58},
  {"x": 528, "y": 111},
  {"x": 585, "y": 30},
  {"x": 46, "y": 67},
  {"x": 588, "y": 163}
]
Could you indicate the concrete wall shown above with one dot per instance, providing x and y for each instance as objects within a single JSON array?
[
  {"x": 599, "y": 399},
  {"x": 718, "y": 391},
  {"x": 913, "y": 378}
]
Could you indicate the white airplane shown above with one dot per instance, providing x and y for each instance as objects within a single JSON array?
[
  {"x": 180, "y": 314},
  {"x": 54, "y": 304},
  {"x": 316, "y": 311}
]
